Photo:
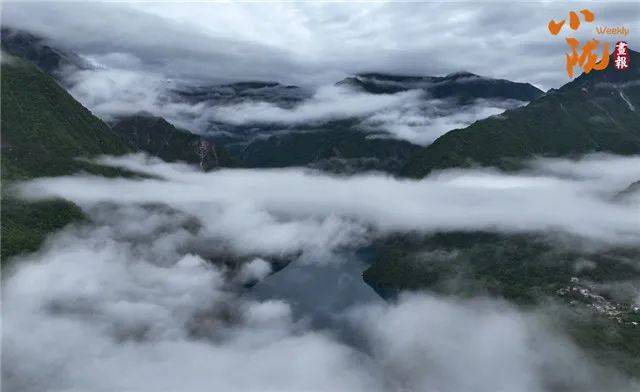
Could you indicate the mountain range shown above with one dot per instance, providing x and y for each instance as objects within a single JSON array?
[
  {"x": 347, "y": 144},
  {"x": 599, "y": 111},
  {"x": 45, "y": 129},
  {"x": 462, "y": 86},
  {"x": 335, "y": 145}
]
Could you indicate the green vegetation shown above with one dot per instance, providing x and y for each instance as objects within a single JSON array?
[
  {"x": 589, "y": 289},
  {"x": 336, "y": 146},
  {"x": 609, "y": 342},
  {"x": 521, "y": 268},
  {"x": 595, "y": 112},
  {"x": 25, "y": 224},
  {"x": 44, "y": 130}
]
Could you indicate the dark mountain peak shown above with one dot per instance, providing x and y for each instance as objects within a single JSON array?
[
  {"x": 348, "y": 81},
  {"x": 386, "y": 77},
  {"x": 461, "y": 86},
  {"x": 252, "y": 84},
  {"x": 461, "y": 75},
  {"x": 375, "y": 83},
  {"x": 391, "y": 77}
]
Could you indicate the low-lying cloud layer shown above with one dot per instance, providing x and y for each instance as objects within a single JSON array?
[
  {"x": 289, "y": 210},
  {"x": 94, "y": 313},
  {"x": 329, "y": 102},
  {"x": 410, "y": 115},
  {"x": 423, "y": 121},
  {"x": 140, "y": 298}
]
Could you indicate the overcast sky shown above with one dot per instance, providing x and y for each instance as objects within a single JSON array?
[{"x": 315, "y": 43}]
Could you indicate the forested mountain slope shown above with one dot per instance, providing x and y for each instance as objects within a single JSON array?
[{"x": 599, "y": 111}]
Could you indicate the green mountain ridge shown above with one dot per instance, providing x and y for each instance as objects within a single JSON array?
[
  {"x": 598, "y": 111},
  {"x": 44, "y": 129},
  {"x": 44, "y": 132}
]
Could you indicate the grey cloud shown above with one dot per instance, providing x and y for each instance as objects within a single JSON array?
[
  {"x": 413, "y": 357},
  {"x": 423, "y": 121},
  {"x": 319, "y": 43},
  {"x": 255, "y": 270},
  {"x": 112, "y": 318},
  {"x": 173, "y": 49},
  {"x": 330, "y": 102},
  {"x": 325, "y": 212}
]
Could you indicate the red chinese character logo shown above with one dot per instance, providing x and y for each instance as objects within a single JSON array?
[{"x": 623, "y": 58}]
